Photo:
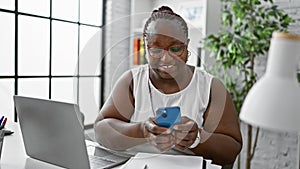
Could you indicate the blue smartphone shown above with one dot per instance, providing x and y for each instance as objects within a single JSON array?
[{"x": 168, "y": 116}]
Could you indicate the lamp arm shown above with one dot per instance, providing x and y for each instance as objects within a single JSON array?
[{"x": 298, "y": 152}]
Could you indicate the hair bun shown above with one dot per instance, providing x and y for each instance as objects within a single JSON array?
[{"x": 164, "y": 9}]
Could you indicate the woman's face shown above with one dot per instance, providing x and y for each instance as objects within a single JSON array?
[{"x": 167, "y": 53}]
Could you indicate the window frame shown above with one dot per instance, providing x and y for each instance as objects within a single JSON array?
[{"x": 16, "y": 75}]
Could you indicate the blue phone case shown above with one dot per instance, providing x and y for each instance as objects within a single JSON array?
[{"x": 168, "y": 116}]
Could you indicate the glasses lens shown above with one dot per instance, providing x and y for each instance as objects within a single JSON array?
[
  {"x": 155, "y": 52},
  {"x": 176, "y": 50}
]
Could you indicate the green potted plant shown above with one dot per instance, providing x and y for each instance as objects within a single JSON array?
[{"x": 247, "y": 27}]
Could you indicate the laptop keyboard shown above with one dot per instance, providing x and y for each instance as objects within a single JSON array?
[
  {"x": 99, "y": 162},
  {"x": 100, "y": 158}
]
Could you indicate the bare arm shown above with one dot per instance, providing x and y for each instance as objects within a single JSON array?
[
  {"x": 112, "y": 127},
  {"x": 221, "y": 139}
]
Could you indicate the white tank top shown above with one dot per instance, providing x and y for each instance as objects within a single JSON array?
[{"x": 192, "y": 100}]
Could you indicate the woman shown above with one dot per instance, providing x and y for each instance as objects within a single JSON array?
[{"x": 209, "y": 126}]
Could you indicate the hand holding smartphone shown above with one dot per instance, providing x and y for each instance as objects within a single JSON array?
[{"x": 168, "y": 116}]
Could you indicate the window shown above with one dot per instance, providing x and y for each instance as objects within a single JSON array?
[{"x": 51, "y": 49}]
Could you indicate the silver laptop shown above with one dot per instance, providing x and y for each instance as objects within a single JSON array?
[{"x": 52, "y": 132}]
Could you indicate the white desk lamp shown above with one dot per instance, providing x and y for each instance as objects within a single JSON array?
[{"x": 274, "y": 100}]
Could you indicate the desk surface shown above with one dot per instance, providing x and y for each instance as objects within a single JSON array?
[
  {"x": 13, "y": 152},
  {"x": 14, "y": 156}
]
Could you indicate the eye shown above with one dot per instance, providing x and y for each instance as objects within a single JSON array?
[
  {"x": 176, "y": 49},
  {"x": 155, "y": 50}
]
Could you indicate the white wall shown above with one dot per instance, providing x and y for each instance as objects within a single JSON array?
[
  {"x": 275, "y": 150},
  {"x": 117, "y": 41}
]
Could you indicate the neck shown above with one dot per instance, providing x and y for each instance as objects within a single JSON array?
[{"x": 174, "y": 84}]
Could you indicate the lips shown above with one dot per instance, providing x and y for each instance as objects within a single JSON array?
[{"x": 167, "y": 68}]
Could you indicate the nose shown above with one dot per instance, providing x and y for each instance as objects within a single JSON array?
[{"x": 166, "y": 56}]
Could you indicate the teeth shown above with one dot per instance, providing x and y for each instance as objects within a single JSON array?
[{"x": 167, "y": 66}]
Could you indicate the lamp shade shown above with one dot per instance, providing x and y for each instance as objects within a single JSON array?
[{"x": 274, "y": 100}]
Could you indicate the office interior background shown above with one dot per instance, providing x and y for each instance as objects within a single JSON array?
[{"x": 45, "y": 48}]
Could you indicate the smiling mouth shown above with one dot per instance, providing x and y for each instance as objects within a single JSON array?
[{"x": 167, "y": 66}]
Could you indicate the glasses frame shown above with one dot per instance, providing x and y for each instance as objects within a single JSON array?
[{"x": 167, "y": 49}]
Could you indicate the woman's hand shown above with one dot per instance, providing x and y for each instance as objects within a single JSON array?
[
  {"x": 185, "y": 133},
  {"x": 160, "y": 137}
]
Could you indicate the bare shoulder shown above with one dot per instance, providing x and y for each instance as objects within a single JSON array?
[
  {"x": 125, "y": 78},
  {"x": 119, "y": 104},
  {"x": 221, "y": 111},
  {"x": 217, "y": 86},
  {"x": 123, "y": 87},
  {"x": 218, "y": 92}
]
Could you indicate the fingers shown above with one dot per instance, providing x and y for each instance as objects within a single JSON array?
[
  {"x": 182, "y": 135},
  {"x": 163, "y": 142},
  {"x": 160, "y": 137},
  {"x": 188, "y": 125},
  {"x": 185, "y": 133},
  {"x": 155, "y": 129},
  {"x": 184, "y": 139}
]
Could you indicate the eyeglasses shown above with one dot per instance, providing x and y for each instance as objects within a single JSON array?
[{"x": 175, "y": 50}]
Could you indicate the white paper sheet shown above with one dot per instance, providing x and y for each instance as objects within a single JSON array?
[{"x": 163, "y": 161}]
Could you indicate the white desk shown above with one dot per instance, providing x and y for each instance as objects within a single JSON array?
[
  {"x": 14, "y": 157},
  {"x": 13, "y": 152}
]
